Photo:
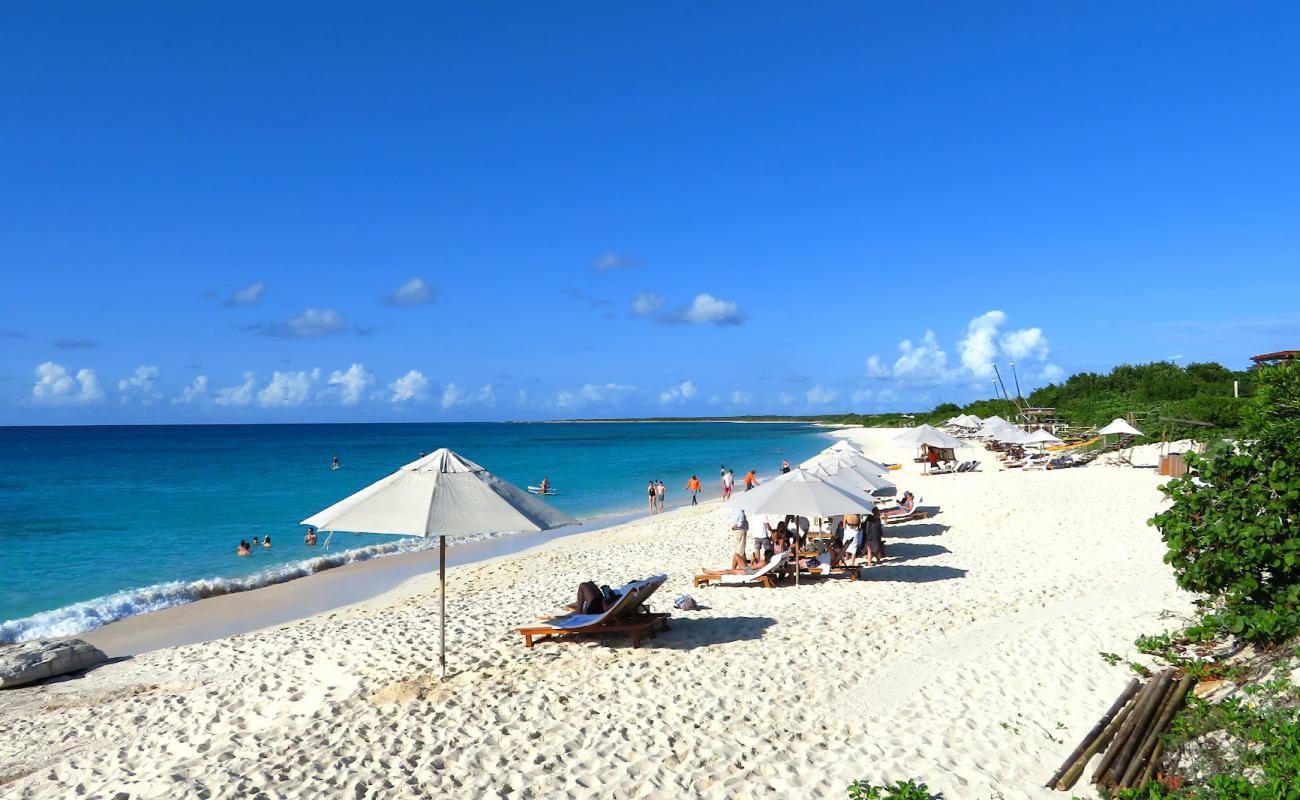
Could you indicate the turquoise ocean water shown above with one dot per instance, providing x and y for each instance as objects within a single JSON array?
[{"x": 104, "y": 522}]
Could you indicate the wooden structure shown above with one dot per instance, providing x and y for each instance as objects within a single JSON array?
[{"x": 1280, "y": 357}]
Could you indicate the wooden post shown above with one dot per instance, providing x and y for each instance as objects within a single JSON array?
[{"x": 442, "y": 601}]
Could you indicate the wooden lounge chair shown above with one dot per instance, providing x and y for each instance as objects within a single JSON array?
[
  {"x": 763, "y": 577},
  {"x": 624, "y": 616}
]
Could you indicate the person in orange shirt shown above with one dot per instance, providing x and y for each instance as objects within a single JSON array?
[
  {"x": 751, "y": 480},
  {"x": 693, "y": 486}
]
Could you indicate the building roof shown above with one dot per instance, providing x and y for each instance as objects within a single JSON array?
[{"x": 1280, "y": 355}]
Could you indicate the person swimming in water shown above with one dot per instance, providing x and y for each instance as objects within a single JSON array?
[
  {"x": 334, "y": 462},
  {"x": 243, "y": 548},
  {"x": 256, "y": 542},
  {"x": 266, "y": 541},
  {"x": 310, "y": 538}
]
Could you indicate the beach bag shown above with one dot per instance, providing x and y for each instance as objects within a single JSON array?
[{"x": 686, "y": 603}]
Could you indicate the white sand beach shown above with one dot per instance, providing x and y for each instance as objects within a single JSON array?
[{"x": 968, "y": 660}]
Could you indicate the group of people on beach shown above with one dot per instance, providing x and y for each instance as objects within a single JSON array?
[
  {"x": 850, "y": 540},
  {"x": 245, "y": 548},
  {"x": 656, "y": 492}
]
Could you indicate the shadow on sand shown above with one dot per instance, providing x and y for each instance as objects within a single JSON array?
[
  {"x": 901, "y": 573},
  {"x": 689, "y": 633},
  {"x": 907, "y": 551},
  {"x": 915, "y": 531}
]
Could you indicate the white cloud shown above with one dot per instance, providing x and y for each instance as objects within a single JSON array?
[
  {"x": 415, "y": 292},
  {"x": 350, "y": 384},
  {"x": 139, "y": 386},
  {"x": 411, "y": 386},
  {"x": 983, "y": 345},
  {"x": 922, "y": 361},
  {"x": 706, "y": 309},
  {"x": 863, "y": 395},
  {"x": 979, "y": 349},
  {"x": 455, "y": 396},
  {"x": 309, "y": 324},
  {"x": 741, "y": 398},
  {"x": 611, "y": 260},
  {"x": 592, "y": 394},
  {"x": 240, "y": 395},
  {"x": 247, "y": 296},
  {"x": 287, "y": 389},
  {"x": 821, "y": 395},
  {"x": 194, "y": 392},
  {"x": 1051, "y": 373},
  {"x": 1025, "y": 343},
  {"x": 55, "y": 386},
  {"x": 677, "y": 394},
  {"x": 647, "y": 303}
]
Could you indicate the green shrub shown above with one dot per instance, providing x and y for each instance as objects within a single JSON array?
[
  {"x": 1231, "y": 533},
  {"x": 899, "y": 790}
]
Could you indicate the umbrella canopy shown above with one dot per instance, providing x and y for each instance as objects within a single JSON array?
[
  {"x": 843, "y": 446},
  {"x": 442, "y": 494},
  {"x": 1041, "y": 436},
  {"x": 859, "y": 461},
  {"x": 1009, "y": 435},
  {"x": 1120, "y": 426},
  {"x": 993, "y": 426},
  {"x": 928, "y": 435},
  {"x": 800, "y": 492},
  {"x": 845, "y": 474}
]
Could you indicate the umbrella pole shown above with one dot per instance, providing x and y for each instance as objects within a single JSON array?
[{"x": 442, "y": 601}]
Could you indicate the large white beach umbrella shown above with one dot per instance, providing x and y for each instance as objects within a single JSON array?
[
  {"x": 859, "y": 460},
  {"x": 1009, "y": 435},
  {"x": 1121, "y": 427},
  {"x": 844, "y": 446},
  {"x": 804, "y": 494},
  {"x": 442, "y": 494},
  {"x": 846, "y": 473},
  {"x": 1041, "y": 438},
  {"x": 928, "y": 435},
  {"x": 993, "y": 426}
]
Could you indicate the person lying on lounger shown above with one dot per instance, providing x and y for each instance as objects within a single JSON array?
[
  {"x": 905, "y": 506},
  {"x": 739, "y": 566}
]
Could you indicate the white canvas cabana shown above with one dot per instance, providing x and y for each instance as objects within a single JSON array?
[{"x": 441, "y": 494}]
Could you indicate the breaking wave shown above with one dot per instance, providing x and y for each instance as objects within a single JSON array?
[{"x": 90, "y": 614}]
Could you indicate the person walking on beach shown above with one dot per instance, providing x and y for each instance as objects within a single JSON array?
[
  {"x": 660, "y": 491},
  {"x": 693, "y": 486},
  {"x": 652, "y": 493},
  {"x": 728, "y": 481},
  {"x": 751, "y": 480}
]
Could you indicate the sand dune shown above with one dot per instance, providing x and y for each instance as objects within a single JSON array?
[{"x": 968, "y": 660}]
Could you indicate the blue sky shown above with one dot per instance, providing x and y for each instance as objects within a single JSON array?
[{"x": 234, "y": 212}]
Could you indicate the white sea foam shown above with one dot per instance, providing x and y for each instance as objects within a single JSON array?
[{"x": 91, "y": 614}]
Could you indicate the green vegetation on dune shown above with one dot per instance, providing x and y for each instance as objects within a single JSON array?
[{"x": 1168, "y": 401}]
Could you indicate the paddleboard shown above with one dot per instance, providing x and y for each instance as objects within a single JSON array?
[{"x": 538, "y": 490}]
